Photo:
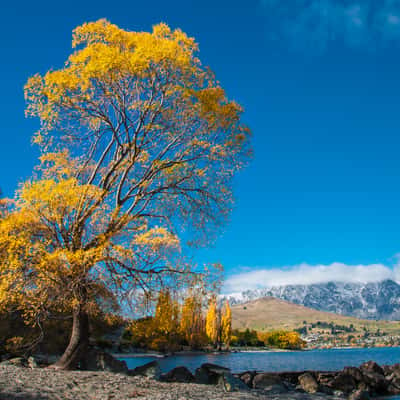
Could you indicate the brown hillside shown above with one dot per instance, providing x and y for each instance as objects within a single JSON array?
[{"x": 270, "y": 313}]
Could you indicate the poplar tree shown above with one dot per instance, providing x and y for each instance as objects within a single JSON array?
[
  {"x": 212, "y": 324},
  {"x": 163, "y": 314},
  {"x": 226, "y": 324},
  {"x": 192, "y": 323}
]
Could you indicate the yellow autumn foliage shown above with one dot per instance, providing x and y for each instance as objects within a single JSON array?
[
  {"x": 282, "y": 339},
  {"x": 139, "y": 145},
  {"x": 212, "y": 323},
  {"x": 226, "y": 324}
]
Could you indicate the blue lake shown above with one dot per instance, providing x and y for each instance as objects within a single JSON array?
[{"x": 324, "y": 360}]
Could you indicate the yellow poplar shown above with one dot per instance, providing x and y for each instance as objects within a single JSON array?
[
  {"x": 212, "y": 322},
  {"x": 226, "y": 324}
]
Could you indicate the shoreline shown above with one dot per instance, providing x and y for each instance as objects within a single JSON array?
[
  {"x": 197, "y": 353},
  {"x": 154, "y": 354},
  {"x": 24, "y": 380}
]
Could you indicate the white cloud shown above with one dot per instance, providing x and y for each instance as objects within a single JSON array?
[
  {"x": 305, "y": 274},
  {"x": 316, "y": 23}
]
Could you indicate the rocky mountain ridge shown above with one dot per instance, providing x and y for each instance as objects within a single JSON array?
[{"x": 374, "y": 300}]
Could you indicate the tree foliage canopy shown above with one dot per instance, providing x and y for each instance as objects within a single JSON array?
[{"x": 139, "y": 147}]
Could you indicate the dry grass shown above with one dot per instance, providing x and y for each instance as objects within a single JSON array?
[{"x": 270, "y": 313}]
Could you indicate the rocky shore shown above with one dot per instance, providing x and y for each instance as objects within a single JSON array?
[{"x": 110, "y": 379}]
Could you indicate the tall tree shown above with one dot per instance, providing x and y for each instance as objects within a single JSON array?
[
  {"x": 166, "y": 319},
  {"x": 140, "y": 144},
  {"x": 212, "y": 323},
  {"x": 192, "y": 326},
  {"x": 226, "y": 324}
]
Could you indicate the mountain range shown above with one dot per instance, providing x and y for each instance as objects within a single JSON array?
[{"x": 376, "y": 300}]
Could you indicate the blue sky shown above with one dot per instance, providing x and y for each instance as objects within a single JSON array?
[{"x": 319, "y": 80}]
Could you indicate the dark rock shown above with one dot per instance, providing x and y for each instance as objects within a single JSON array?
[
  {"x": 364, "y": 386},
  {"x": 151, "y": 370},
  {"x": 308, "y": 383},
  {"x": 276, "y": 389},
  {"x": 178, "y": 374},
  {"x": 327, "y": 390},
  {"x": 376, "y": 382},
  {"x": 372, "y": 366},
  {"x": 393, "y": 374},
  {"x": 5, "y": 357},
  {"x": 359, "y": 395},
  {"x": 394, "y": 378},
  {"x": 290, "y": 377},
  {"x": 299, "y": 388},
  {"x": 209, "y": 374},
  {"x": 100, "y": 361},
  {"x": 201, "y": 377},
  {"x": 344, "y": 382},
  {"x": 354, "y": 372},
  {"x": 231, "y": 384},
  {"x": 247, "y": 377},
  {"x": 388, "y": 369},
  {"x": 215, "y": 369},
  {"x": 324, "y": 378},
  {"x": 393, "y": 389},
  {"x": 338, "y": 381},
  {"x": 264, "y": 380},
  {"x": 46, "y": 359}
]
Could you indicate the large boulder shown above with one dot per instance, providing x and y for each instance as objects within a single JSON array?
[
  {"x": 344, "y": 382},
  {"x": 101, "y": 361},
  {"x": 372, "y": 366},
  {"x": 355, "y": 373},
  {"x": 266, "y": 380},
  {"x": 178, "y": 374},
  {"x": 150, "y": 370},
  {"x": 215, "y": 369},
  {"x": 376, "y": 382},
  {"x": 308, "y": 383},
  {"x": 209, "y": 374}
]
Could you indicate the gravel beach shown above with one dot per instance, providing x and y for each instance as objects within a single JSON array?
[{"x": 47, "y": 384}]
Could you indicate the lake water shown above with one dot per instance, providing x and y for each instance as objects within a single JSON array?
[{"x": 323, "y": 360}]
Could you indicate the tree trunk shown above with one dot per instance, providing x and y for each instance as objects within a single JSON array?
[{"x": 76, "y": 350}]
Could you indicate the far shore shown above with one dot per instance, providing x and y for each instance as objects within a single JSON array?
[
  {"x": 150, "y": 353},
  {"x": 203, "y": 352}
]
